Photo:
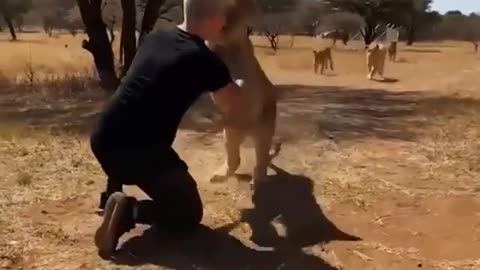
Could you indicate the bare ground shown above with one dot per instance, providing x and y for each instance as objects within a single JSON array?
[{"x": 372, "y": 175}]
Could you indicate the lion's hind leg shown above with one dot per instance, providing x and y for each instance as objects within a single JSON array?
[
  {"x": 381, "y": 66},
  {"x": 330, "y": 60},
  {"x": 315, "y": 62},
  {"x": 263, "y": 139},
  {"x": 233, "y": 138}
]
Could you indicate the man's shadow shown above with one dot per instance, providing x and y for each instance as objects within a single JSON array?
[
  {"x": 210, "y": 249},
  {"x": 284, "y": 197}
]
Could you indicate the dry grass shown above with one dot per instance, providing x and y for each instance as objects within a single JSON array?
[{"x": 392, "y": 163}]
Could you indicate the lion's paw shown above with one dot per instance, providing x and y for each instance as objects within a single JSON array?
[
  {"x": 216, "y": 178},
  {"x": 221, "y": 175}
]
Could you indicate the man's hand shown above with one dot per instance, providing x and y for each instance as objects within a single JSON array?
[
  {"x": 232, "y": 102},
  {"x": 230, "y": 98}
]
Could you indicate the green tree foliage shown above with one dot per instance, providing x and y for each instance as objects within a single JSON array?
[
  {"x": 57, "y": 15},
  {"x": 375, "y": 13},
  {"x": 11, "y": 9},
  {"x": 416, "y": 17},
  {"x": 457, "y": 26},
  {"x": 343, "y": 21},
  {"x": 276, "y": 6}
]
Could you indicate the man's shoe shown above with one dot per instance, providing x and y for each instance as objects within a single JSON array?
[
  {"x": 103, "y": 201},
  {"x": 117, "y": 220},
  {"x": 111, "y": 188}
]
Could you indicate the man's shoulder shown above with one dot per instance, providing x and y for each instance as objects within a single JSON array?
[{"x": 161, "y": 33}]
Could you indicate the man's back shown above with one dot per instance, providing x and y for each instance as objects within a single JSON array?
[{"x": 163, "y": 81}]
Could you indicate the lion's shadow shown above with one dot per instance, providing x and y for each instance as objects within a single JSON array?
[
  {"x": 283, "y": 195},
  {"x": 289, "y": 199}
]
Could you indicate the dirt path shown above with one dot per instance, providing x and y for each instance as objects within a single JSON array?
[{"x": 371, "y": 176}]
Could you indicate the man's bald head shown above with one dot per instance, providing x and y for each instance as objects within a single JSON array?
[{"x": 195, "y": 10}]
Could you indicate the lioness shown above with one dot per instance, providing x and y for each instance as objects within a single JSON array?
[
  {"x": 322, "y": 58},
  {"x": 392, "y": 51},
  {"x": 376, "y": 57},
  {"x": 259, "y": 119}
]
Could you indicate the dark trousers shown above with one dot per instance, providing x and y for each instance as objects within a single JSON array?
[{"x": 174, "y": 205}]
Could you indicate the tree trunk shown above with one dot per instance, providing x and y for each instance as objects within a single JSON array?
[
  {"x": 345, "y": 36},
  {"x": 369, "y": 35},
  {"x": 249, "y": 31},
  {"x": 98, "y": 43},
  {"x": 9, "y": 22},
  {"x": 273, "y": 39},
  {"x": 150, "y": 17},
  {"x": 411, "y": 35},
  {"x": 292, "y": 41},
  {"x": 128, "y": 40},
  {"x": 120, "y": 52}
]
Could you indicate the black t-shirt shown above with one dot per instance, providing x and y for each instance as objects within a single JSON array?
[{"x": 169, "y": 72}]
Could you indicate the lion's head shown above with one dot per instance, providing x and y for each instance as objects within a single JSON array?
[{"x": 240, "y": 14}]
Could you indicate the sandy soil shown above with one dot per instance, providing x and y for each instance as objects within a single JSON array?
[{"x": 372, "y": 175}]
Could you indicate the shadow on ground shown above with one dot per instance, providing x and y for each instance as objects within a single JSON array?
[
  {"x": 420, "y": 45},
  {"x": 347, "y": 114},
  {"x": 284, "y": 198},
  {"x": 422, "y": 50},
  {"x": 289, "y": 200},
  {"x": 304, "y": 112}
]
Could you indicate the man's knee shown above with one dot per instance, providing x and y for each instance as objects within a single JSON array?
[
  {"x": 186, "y": 202},
  {"x": 193, "y": 206},
  {"x": 187, "y": 218},
  {"x": 192, "y": 217}
]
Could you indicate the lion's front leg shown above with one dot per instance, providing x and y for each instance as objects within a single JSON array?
[
  {"x": 233, "y": 138},
  {"x": 371, "y": 72}
]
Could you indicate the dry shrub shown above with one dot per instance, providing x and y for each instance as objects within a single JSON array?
[
  {"x": 50, "y": 85},
  {"x": 4, "y": 81}
]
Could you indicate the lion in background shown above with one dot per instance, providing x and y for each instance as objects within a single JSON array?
[
  {"x": 259, "y": 118},
  {"x": 376, "y": 57},
  {"x": 392, "y": 51},
  {"x": 322, "y": 58}
]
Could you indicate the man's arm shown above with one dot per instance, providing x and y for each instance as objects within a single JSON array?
[
  {"x": 230, "y": 98},
  {"x": 227, "y": 95}
]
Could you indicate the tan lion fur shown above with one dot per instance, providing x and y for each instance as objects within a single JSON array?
[
  {"x": 322, "y": 58},
  {"x": 236, "y": 50},
  {"x": 376, "y": 57},
  {"x": 392, "y": 51}
]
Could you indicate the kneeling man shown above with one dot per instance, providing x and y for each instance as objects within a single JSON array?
[{"x": 133, "y": 137}]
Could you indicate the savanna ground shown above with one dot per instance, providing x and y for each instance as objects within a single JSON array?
[{"x": 372, "y": 175}]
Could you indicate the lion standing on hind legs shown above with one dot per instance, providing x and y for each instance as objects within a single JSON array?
[{"x": 259, "y": 119}]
